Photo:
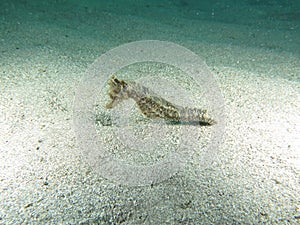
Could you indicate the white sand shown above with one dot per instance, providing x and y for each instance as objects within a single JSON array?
[{"x": 44, "y": 178}]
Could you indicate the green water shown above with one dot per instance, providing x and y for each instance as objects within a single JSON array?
[{"x": 270, "y": 24}]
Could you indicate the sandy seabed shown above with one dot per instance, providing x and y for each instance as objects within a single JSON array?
[{"x": 44, "y": 179}]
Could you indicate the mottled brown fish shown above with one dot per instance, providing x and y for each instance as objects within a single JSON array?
[{"x": 152, "y": 105}]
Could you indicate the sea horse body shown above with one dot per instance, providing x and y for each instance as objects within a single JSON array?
[{"x": 152, "y": 105}]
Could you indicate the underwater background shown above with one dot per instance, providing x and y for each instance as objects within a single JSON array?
[{"x": 252, "y": 48}]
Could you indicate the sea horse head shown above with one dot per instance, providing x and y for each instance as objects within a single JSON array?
[{"x": 117, "y": 91}]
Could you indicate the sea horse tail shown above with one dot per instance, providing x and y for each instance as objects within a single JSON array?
[{"x": 195, "y": 115}]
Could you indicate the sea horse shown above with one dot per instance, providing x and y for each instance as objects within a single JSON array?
[{"x": 152, "y": 105}]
